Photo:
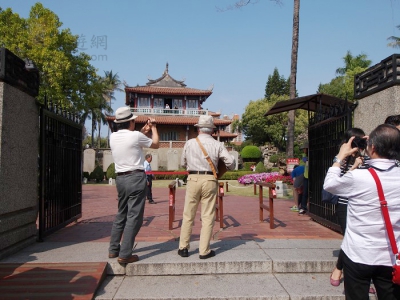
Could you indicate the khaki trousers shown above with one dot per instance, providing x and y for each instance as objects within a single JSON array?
[{"x": 199, "y": 189}]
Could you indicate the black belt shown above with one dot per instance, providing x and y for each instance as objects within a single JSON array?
[
  {"x": 129, "y": 172},
  {"x": 201, "y": 172}
]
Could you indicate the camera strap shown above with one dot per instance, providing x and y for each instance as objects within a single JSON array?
[{"x": 382, "y": 170}]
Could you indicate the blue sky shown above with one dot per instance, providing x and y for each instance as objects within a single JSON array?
[{"x": 234, "y": 50}]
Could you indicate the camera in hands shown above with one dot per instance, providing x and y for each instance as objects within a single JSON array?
[{"x": 360, "y": 143}]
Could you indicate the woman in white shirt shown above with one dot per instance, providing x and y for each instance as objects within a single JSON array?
[{"x": 367, "y": 252}]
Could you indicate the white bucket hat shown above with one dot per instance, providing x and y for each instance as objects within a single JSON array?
[
  {"x": 124, "y": 114},
  {"x": 206, "y": 122}
]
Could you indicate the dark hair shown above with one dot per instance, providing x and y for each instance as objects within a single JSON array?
[
  {"x": 386, "y": 140},
  {"x": 393, "y": 120},
  {"x": 352, "y": 132},
  {"x": 124, "y": 125}
]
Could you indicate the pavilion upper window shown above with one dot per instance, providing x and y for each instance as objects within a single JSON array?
[
  {"x": 192, "y": 104},
  {"x": 143, "y": 102},
  {"x": 177, "y": 103}
]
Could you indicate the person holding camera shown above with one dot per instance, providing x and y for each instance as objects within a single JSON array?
[
  {"x": 367, "y": 253},
  {"x": 352, "y": 162},
  {"x": 127, "y": 151}
]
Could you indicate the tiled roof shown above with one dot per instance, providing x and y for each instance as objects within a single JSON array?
[
  {"x": 158, "y": 90},
  {"x": 174, "y": 120},
  {"x": 224, "y": 134}
]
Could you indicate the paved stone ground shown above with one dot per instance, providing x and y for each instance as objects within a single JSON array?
[{"x": 241, "y": 219}]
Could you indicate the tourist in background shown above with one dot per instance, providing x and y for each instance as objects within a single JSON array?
[{"x": 147, "y": 168}]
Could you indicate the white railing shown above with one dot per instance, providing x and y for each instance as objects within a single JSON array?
[{"x": 170, "y": 111}]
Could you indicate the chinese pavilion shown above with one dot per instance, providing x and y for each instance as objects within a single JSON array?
[{"x": 176, "y": 109}]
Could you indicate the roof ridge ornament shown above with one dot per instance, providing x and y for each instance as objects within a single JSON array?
[
  {"x": 211, "y": 87},
  {"x": 166, "y": 69}
]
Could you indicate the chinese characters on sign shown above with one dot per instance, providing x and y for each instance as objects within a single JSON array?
[{"x": 290, "y": 163}]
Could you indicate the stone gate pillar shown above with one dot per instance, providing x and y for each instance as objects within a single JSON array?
[
  {"x": 378, "y": 93},
  {"x": 19, "y": 151}
]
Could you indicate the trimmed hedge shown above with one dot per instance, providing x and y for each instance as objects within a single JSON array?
[
  {"x": 97, "y": 174},
  {"x": 111, "y": 171}
]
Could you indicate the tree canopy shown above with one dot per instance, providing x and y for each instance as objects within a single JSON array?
[
  {"x": 276, "y": 84},
  {"x": 342, "y": 86},
  {"x": 394, "y": 40},
  {"x": 66, "y": 77}
]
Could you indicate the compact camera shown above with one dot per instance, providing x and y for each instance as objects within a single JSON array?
[{"x": 360, "y": 143}]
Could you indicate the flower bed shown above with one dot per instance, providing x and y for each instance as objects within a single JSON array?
[{"x": 265, "y": 177}]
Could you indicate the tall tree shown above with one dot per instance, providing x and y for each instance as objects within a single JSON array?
[
  {"x": 293, "y": 76},
  {"x": 395, "y": 41},
  {"x": 276, "y": 84}
]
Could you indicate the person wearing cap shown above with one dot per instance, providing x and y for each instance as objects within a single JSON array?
[
  {"x": 202, "y": 185},
  {"x": 127, "y": 151}
]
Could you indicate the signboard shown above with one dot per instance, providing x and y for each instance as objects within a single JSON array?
[{"x": 290, "y": 163}]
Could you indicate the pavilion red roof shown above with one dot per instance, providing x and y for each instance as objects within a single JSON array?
[
  {"x": 174, "y": 120},
  {"x": 160, "y": 90}
]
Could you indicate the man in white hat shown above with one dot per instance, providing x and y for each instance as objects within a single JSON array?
[
  {"x": 202, "y": 185},
  {"x": 127, "y": 151}
]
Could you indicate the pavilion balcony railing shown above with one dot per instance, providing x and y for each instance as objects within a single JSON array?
[{"x": 169, "y": 111}]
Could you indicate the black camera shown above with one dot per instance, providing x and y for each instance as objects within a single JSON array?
[{"x": 359, "y": 142}]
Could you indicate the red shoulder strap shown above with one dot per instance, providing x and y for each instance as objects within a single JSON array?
[{"x": 385, "y": 212}]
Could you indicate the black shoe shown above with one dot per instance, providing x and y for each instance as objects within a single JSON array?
[
  {"x": 152, "y": 202},
  {"x": 211, "y": 254},
  {"x": 183, "y": 252}
]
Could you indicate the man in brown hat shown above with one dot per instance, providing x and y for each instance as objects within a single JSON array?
[
  {"x": 127, "y": 151},
  {"x": 202, "y": 185}
]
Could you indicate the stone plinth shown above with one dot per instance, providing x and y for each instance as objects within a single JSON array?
[{"x": 19, "y": 153}]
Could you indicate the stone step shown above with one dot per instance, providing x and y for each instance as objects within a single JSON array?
[
  {"x": 233, "y": 257},
  {"x": 267, "y": 286}
]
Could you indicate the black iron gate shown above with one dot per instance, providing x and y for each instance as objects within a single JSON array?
[
  {"x": 325, "y": 132},
  {"x": 60, "y": 165}
]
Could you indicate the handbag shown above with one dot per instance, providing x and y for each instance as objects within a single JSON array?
[
  {"x": 389, "y": 227},
  {"x": 329, "y": 197},
  {"x": 221, "y": 165}
]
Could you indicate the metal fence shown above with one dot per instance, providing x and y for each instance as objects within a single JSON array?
[
  {"x": 60, "y": 167},
  {"x": 325, "y": 134}
]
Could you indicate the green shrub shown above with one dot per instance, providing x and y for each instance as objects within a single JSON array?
[
  {"x": 251, "y": 152},
  {"x": 274, "y": 158},
  {"x": 247, "y": 165},
  {"x": 260, "y": 168},
  {"x": 97, "y": 174},
  {"x": 111, "y": 171},
  {"x": 86, "y": 175}
]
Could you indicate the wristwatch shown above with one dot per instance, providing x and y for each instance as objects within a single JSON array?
[{"x": 337, "y": 160}]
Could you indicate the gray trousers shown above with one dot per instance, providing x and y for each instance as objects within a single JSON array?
[{"x": 131, "y": 190}]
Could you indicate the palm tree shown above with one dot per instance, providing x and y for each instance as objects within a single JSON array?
[
  {"x": 112, "y": 83},
  {"x": 395, "y": 41},
  {"x": 351, "y": 62}
]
